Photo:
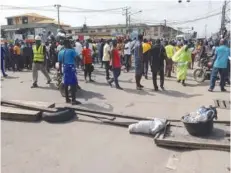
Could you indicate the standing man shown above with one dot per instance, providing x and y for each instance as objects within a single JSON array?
[
  {"x": 78, "y": 50},
  {"x": 17, "y": 56},
  {"x": 39, "y": 54},
  {"x": 106, "y": 58},
  {"x": 222, "y": 54},
  {"x": 146, "y": 56},
  {"x": 28, "y": 53},
  {"x": 158, "y": 55},
  {"x": 87, "y": 61},
  {"x": 7, "y": 56},
  {"x": 2, "y": 62},
  {"x": 67, "y": 60},
  {"x": 116, "y": 65},
  {"x": 170, "y": 52},
  {"x": 138, "y": 56},
  {"x": 102, "y": 51},
  {"x": 127, "y": 54}
]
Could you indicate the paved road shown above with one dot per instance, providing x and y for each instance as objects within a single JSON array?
[{"x": 87, "y": 147}]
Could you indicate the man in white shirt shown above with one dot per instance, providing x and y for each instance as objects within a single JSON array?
[
  {"x": 107, "y": 58},
  {"x": 78, "y": 50},
  {"x": 127, "y": 54}
]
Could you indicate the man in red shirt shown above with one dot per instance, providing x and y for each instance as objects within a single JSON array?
[
  {"x": 116, "y": 66},
  {"x": 87, "y": 61}
]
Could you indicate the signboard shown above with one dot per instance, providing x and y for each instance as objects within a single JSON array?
[
  {"x": 30, "y": 37},
  {"x": 38, "y": 31}
]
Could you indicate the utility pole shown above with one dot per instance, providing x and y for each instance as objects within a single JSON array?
[
  {"x": 58, "y": 6},
  {"x": 126, "y": 13},
  {"x": 223, "y": 18}
]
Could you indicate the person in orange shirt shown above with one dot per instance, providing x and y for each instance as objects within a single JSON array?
[
  {"x": 17, "y": 57},
  {"x": 87, "y": 61}
]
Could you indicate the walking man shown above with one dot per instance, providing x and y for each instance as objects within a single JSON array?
[
  {"x": 170, "y": 52},
  {"x": 116, "y": 65},
  {"x": 146, "y": 56},
  {"x": 67, "y": 60},
  {"x": 158, "y": 55},
  {"x": 39, "y": 54},
  {"x": 222, "y": 54},
  {"x": 127, "y": 54},
  {"x": 138, "y": 56},
  {"x": 87, "y": 61},
  {"x": 106, "y": 58},
  {"x": 2, "y": 62}
]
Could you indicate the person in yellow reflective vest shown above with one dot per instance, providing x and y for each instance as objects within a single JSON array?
[
  {"x": 146, "y": 57},
  {"x": 39, "y": 52},
  {"x": 170, "y": 52}
]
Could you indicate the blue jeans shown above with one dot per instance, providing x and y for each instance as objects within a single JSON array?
[
  {"x": 116, "y": 74},
  {"x": 213, "y": 77},
  {"x": 2, "y": 67}
]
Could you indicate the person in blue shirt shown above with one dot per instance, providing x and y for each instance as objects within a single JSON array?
[
  {"x": 67, "y": 60},
  {"x": 220, "y": 62}
]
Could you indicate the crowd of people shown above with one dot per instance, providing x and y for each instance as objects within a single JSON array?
[{"x": 163, "y": 57}]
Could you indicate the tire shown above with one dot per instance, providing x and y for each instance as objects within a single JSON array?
[
  {"x": 199, "y": 75},
  {"x": 62, "y": 115}
]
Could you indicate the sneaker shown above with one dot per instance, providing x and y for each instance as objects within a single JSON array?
[
  {"x": 141, "y": 86},
  {"x": 183, "y": 84},
  {"x": 119, "y": 88},
  {"x": 156, "y": 89},
  {"x": 178, "y": 81},
  {"x": 5, "y": 75},
  {"x": 35, "y": 85},
  {"x": 75, "y": 102},
  {"x": 223, "y": 90},
  {"x": 91, "y": 80},
  {"x": 68, "y": 101},
  {"x": 138, "y": 88},
  {"x": 210, "y": 90},
  {"x": 49, "y": 81},
  {"x": 78, "y": 87},
  {"x": 162, "y": 88}
]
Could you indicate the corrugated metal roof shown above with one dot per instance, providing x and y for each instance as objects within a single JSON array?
[
  {"x": 21, "y": 26},
  {"x": 53, "y": 22},
  {"x": 32, "y": 15}
]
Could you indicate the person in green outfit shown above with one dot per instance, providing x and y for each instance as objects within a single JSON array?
[{"x": 182, "y": 58}]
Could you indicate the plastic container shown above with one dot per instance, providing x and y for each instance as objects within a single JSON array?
[{"x": 200, "y": 128}]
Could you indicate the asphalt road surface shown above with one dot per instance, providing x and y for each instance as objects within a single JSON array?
[{"x": 87, "y": 147}]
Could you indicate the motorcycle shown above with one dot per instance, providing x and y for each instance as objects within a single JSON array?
[
  {"x": 203, "y": 73},
  {"x": 59, "y": 82}
]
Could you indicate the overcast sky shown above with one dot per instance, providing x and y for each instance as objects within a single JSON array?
[{"x": 154, "y": 11}]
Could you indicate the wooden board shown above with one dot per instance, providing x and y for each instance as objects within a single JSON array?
[
  {"x": 27, "y": 106},
  {"x": 177, "y": 136},
  {"x": 10, "y": 113},
  {"x": 36, "y": 103},
  {"x": 18, "y": 114}
]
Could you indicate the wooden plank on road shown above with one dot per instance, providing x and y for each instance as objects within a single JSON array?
[
  {"x": 27, "y": 106},
  {"x": 36, "y": 103},
  {"x": 17, "y": 114}
]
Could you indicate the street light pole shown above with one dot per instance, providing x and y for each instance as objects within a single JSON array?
[{"x": 129, "y": 19}]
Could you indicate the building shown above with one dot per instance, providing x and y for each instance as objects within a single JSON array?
[
  {"x": 107, "y": 31},
  {"x": 26, "y": 26}
]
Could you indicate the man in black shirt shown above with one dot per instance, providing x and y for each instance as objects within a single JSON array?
[{"x": 158, "y": 55}]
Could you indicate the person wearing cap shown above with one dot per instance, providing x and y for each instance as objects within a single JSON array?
[
  {"x": 220, "y": 63},
  {"x": 67, "y": 64},
  {"x": 39, "y": 54}
]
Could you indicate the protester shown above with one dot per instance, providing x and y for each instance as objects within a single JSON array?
[
  {"x": 220, "y": 62},
  {"x": 138, "y": 56},
  {"x": 116, "y": 65},
  {"x": 106, "y": 58},
  {"x": 158, "y": 55},
  {"x": 17, "y": 57},
  {"x": 170, "y": 52},
  {"x": 28, "y": 53},
  {"x": 39, "y": 54},
  {"x": 67, "y": 60},
  {"x": 2, "y": 62},
  {"x": 146, "y": 57},
  {"x": 182, "y": 58},
  {"x": 127, "y": 54},
  {"x": 87, "y": 61}
]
